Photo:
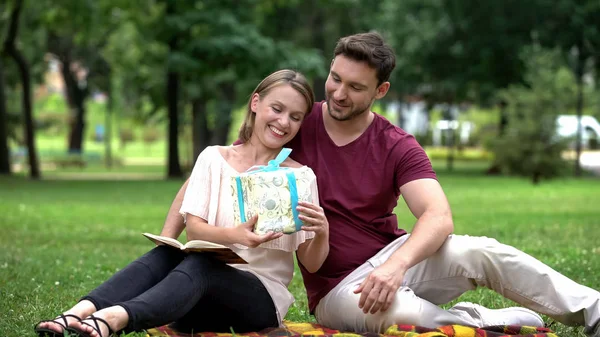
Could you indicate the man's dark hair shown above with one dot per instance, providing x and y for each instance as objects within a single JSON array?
[{"x": 371, "y": 48}]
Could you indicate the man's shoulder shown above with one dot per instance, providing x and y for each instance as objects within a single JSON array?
[
  {"x": 392, "y": 133},
  {"x": 395, "y": 144}
]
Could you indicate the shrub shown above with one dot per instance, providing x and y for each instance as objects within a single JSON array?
[
  {"x": 464, "y": 154},
  {"x": 150, "y": 135},
  {"x": 68, "y": 160},
  {"x": 53, "y": 123},
  {"x": 126, "y": 136},
  {"x": 530, "y": 145}
]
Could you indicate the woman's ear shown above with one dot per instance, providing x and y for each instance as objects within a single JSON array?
[{"x": 254, "y": 103}]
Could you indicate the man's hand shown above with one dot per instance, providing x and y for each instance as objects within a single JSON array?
[
  {"x": 379, "y": 288},
  {"x": 243, "y": 234}
]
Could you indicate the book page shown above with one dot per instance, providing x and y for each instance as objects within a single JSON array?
[
  {"x": 220, "y": 252},
  {"x": 203, "y": 245},
  {"x": 164, "y": 239}
]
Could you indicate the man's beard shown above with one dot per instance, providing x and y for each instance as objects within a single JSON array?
[{"x": 351, "y": 115}]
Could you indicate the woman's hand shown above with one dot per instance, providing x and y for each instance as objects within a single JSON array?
[
  {"x": 244, "y": 235},
  {"x": 314, "y": 218},
  {"x": 312, "y": 253}
]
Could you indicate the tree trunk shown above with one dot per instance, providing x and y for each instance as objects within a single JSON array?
[
  {"x": 77, "y": 127},
  {"x": 200, "y": 134},
  {"x": 75, "y": 91},
  {"x": 223, "y": 117},
  {"x": 11, "y": 49},
  {"x": 400, "y": 117},
  {"x": 451, "y": 139},
  {"x": 4, "y": 150},
  {"x": 503, "y": 120},
  {"x": 502, "y": 124},
  {"x": 536, "y": 177},
  {"x": 76, "y": 98},
  {"x": 579, "y": 70},
  {"x": 108, "y": 125},
  {"x": 174, "y": 166}
]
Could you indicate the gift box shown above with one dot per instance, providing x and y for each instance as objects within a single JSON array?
[{"x": 273, "y": 192}]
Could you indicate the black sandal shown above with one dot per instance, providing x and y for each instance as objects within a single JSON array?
[
  {"x": 77, "y": 332},
  {"x": 42, "y": 332}
]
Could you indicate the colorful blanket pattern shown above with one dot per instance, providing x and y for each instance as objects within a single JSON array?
[{"x": 295, "y": 329}]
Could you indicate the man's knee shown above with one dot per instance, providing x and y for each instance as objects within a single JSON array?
[
  {"x": 471, "y": 248},
  {"x": 405, "y": 309},
  {"x": 343, "y": 313}
]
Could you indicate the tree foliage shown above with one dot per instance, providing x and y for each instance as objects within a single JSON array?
[
  {"x": 455, "y": 51},
  {"x": 191, "y": 63},
  {"x": 573, "y": 28}
]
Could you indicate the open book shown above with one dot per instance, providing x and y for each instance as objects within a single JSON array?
[{"x": 220, "y": 252}]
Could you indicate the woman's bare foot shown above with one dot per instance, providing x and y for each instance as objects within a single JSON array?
[
  {"x": 116, "y": 317},
  {"x": 81, "y": 309}
]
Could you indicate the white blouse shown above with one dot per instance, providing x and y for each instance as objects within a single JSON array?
[{"x": 209, "y": 196}]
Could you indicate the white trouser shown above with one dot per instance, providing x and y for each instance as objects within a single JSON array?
[{"x": 461, "y": 264}]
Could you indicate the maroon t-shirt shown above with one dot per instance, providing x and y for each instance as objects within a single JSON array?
[{"x": 359, "y": 186}]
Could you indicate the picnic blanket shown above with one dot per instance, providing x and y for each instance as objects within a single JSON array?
[{"x": 295, "y": 329}]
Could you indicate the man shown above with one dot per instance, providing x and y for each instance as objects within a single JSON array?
[{"x": 377, "y": 275}]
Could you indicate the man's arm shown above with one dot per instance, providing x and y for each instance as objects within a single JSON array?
[
  {"x": 174, "y": 222},
  {"x": 427, "y": 201}
]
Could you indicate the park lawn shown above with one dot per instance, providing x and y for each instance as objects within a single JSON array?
[{"x": 62, "y": 238}]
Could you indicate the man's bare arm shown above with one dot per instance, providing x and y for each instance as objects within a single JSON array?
[
  {"x": 427, "y": 201},
  {"x": 174, "y": 222}
]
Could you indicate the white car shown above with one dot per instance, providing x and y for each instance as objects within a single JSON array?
[{"x": 567, "y": 127}]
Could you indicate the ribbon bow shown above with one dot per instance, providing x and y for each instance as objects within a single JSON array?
[{"x": 273, "y": 164}]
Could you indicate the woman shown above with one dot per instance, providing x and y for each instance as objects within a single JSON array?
[{"x": 200, "y": 293}]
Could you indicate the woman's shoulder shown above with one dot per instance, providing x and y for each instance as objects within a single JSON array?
[
  {"x": 220, "y": 149},
  {"x": 210, "y": 150},
  {"x": 289, "y": 162},
  {"x": 303, "y": 169},
  {"x": 213, "y": 154}
]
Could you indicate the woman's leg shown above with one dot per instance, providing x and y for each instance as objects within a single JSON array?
[
  {"x": 137, "y": 277},
  {"x": 200, "y": 290},
  {"x": 129, "y": 282},
  {"x": 235, "y": 300}
]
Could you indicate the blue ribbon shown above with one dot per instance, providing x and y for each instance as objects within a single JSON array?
[
  {"x": 294, "y": 196},
  {"x": 272, "y": 165},
  {"x": 238, "y": 182}
]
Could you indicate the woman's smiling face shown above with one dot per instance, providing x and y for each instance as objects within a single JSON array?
[{"x": 279, "y": 115}]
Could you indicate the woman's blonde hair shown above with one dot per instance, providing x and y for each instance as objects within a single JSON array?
[{"x": 295, "y": 79}]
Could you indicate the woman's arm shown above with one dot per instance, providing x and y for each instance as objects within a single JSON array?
[
  {"x": 198, "y": 229},
  {"x": 174, "y": 224}
]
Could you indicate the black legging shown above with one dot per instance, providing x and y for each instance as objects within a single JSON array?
[{"x": 196, "y": 292}]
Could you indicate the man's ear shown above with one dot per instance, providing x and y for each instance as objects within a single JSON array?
[
  {"x": 254, "y": 102},
  {"x": 382, "y": 90}
]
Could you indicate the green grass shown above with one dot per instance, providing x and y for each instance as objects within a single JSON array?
[
  {"x": 61, "y": 238},
  {"x": 52, "y": 145}
]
